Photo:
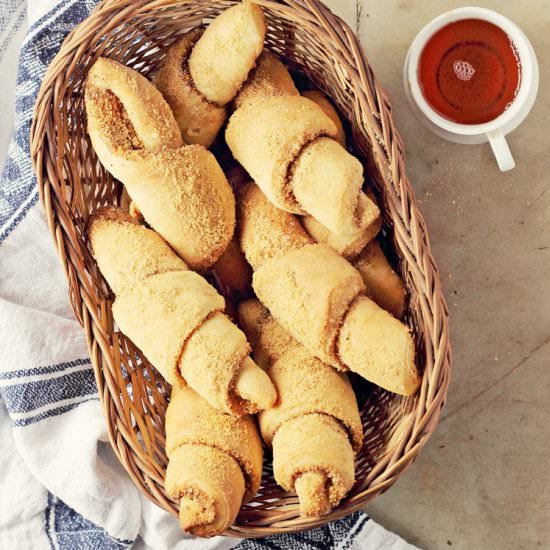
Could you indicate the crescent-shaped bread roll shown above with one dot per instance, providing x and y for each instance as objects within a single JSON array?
[
  {"x": 175, "y": 317},
  {"x": 126, "y": 252},
  {"x": 162, "y": 312},
  {"x": 214, "y": 462},
  {"x": 126, "y": 112},
  {"x": 321, "y": 99},
  {"x": 199, "y": 120},
  {"x": 315, "y": 426},
  {"x": 269, "y": 78},
  {"x": 181, "y": 190},
  {"x": 350, "y": 245},
  {"x": 317, "y": 296},
  {"x": 224, "y": 55},
  {"x": 314, "y": 286},
  {"x": 284, "y": 144},
  {"x": 267, "y": 135}
]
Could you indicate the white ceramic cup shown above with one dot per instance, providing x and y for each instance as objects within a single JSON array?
[{"x": 495, "y": 130}]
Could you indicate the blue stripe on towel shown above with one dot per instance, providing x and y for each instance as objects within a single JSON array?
[
  {"x": 66, "y": 528},
  {"x": 18, "y": 184},
  {"x": 28, "y": 396},
  {"x": 338, "y": 534},
  {"x": 27, "y": 421},
  {"x": 9, "y": 375}
]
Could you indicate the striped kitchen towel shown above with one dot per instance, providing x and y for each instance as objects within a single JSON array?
[{"x": 61, "y": 485}]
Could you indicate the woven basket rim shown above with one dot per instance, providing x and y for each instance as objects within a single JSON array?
[{"x": 410, "y": 236}]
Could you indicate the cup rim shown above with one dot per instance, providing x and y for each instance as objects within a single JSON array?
[{"x": 521, "y": 44}]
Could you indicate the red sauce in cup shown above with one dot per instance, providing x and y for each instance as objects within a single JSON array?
[{"x": 469, "y": 71}]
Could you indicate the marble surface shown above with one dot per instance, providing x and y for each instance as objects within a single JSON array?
[{"x": 483, "y": 481}]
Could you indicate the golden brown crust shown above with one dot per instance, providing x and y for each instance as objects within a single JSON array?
[
  {"x": 304, "y": 384},
  {"x": 287, "y": 145},
  {"x": 209, "y": 486},
  {"x": 309, "y": 291},
  {"x": 268, "y": 135},
  {"x": 328, "y": 179},
  {"x": 211, "y": 369},
  {"x": 327, "y": 451},
  {"x": 226, "y": 52},
  {"x": 377, "y": 346},
  {"x": 190, "y": 419},
  {"x": 198, "y": 119},
  {"x": 350, "y": 245},
  {"x": 125, "y": 111},
  {"x": 186, "y": 193},
  {"x": 174, "y": 316},
  {"x": 329, "y": 109},
  {"x": 181, "y": 191},
  {"x": 315, "y": 426},
  {"x": 126, "y": 252},
  {"x": 269, "y": 78},
  {"x": 265, "y": 231},
  {"x": 215, "y": 462},
  {"x": 162, "y": 312}
]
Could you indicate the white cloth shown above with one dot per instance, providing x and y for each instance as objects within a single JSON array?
[{"x": 62, "y": 486}]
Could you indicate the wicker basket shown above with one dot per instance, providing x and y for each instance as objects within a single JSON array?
[{"x": 73, "y": 185}]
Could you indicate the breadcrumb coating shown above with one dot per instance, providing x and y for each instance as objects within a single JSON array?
[
  {"x": 175, "y": 316},
  {"x": 180, "y": 190},
  {"x": 318, "y": 297},
  {"x": 215, "y": 459},
  {"x": 269, "y": 78},
  {"x": 226, "y": 52}
]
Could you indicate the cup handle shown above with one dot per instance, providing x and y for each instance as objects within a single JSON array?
[{"x": 501, "y": 150}]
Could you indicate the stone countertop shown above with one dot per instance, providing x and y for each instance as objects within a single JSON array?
[{"x": 483, "y": 481}]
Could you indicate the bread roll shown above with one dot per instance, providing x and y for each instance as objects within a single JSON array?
[
  {"x": 224, "y": 55},
  {"x": 329, "y": 179},
  {"x": 314, "y": 286},
  {"x": 180, "y": 190},
  {"x": 175, "y": 317},
  {"x": 199, "y": 120},
  {"x": 214, "y": 462},
  {"x": 314, "y": 428},
  {"x": 317, "y": 296},
  {"x": 284, "y": 144},
  {"x": 267, "y": 135}
]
